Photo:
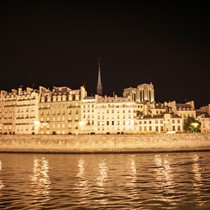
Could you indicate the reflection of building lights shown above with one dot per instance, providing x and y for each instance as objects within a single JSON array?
[
  {"x": 40, "y": 179},
  {"x": 82, "y": 185},
  {"x": 1, "y": 182},
  {"x": 101, "y": 179},
  {"x": 198, "y": 184},
  {"x": 164, "y": 176},
  {"x": 133, "y": 166},
  {"x": 81, "y": 166},
  {"x": 102, "y": 173}
]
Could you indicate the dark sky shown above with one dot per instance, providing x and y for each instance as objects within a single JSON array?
[{"x": 49, "y": 43}]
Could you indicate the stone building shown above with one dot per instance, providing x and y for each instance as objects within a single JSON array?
[
  {"x": 60, "y": 110},
  {"x": 143, "y": 93},
  {"x": 203, "y": 116},
  {"x": 162, "y": 123},
  {"x": 104, "y": 115},
  {"x": 87, "y": 122},
  {"x": 27, "y": 111},
  {"x": 7, "y": 113},
  {"x": 184, "y": 110}
]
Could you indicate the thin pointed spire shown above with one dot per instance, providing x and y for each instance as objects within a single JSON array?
[{"x": 99, "y": 85}]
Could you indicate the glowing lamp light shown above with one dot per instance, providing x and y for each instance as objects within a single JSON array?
[
  {"x": 36, "y": 122},
  {"x": 82, "y": 123},
  {"x": 132, "y": 122},
  {"x": 194, "y": 124}
]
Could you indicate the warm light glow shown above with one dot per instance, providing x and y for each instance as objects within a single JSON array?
[
  {"x": 36, "y": 122},
  {"x": 82, "y": 123},
  {"x": 82, "y": 185},
  {"x": 1, "y": 182},
  {"x": 101, "y": 179},
  {"x": 194, "y": 124},
  {"x": 197, "y": 181},
  {"x": 132, "y": 122},
  {"x": 40, "y": 179},
  {"x": 164, "y": 176}
]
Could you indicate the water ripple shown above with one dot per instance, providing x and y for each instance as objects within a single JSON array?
[{"x": 124, "y": 181}]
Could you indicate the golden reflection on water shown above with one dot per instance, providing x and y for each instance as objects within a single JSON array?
[
  {"x": 133, "y": 176},
  {"x": 197, "y": 181},
  {"x": 164, "y": 177},
  {"x": 40, "y": 179},
  {"x": 102, "y": 168},
  {"x": 82, "y": 185},
  {"x": 1, "y": 182},
  {"x": 101, "y": 179},
  {"x": 133, "y": 167}
]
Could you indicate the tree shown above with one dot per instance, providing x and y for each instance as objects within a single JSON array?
[{"x": 192, "y": 125}]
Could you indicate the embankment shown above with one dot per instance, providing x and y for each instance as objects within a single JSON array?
[{"x": 104, "y": 143}]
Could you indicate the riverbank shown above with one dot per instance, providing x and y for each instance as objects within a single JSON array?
[{"x": 104, "y": 143}]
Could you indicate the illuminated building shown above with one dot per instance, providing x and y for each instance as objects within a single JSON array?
[
  {"x": 143, "y": 93},
  {"x": 104, "y": 115},
  {"x": 8, "y": 106},
  {"x": 63, "y": 110},
  {"x": 27, "y": 111},
  {"x": 184, "y": 110},
  {"x": 59, "y": 110},
  {"x": 203, "y": 116},
  {"x": 163, "y": 123}
]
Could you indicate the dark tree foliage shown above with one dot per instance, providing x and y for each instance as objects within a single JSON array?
[{"x": 192, "y": 125}]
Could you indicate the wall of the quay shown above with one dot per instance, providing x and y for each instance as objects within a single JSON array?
[{"x": 104, "y": 143}]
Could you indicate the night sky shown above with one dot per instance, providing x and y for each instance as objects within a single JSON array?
[{"x": 58, "y": 44}]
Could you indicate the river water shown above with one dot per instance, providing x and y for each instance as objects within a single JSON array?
[{"x": 105, "y": 181}]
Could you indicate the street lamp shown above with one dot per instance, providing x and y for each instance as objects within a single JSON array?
[
  {"x": 194, "y": 124},
  {"x": 36, "y": 123}
]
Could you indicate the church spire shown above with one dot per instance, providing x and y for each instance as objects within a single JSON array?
[{"x": 99, "y": 85}]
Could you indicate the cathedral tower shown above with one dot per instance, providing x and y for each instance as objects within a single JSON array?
[{"x": 99, "y": 85}]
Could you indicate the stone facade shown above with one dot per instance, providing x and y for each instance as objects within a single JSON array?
[
  {"x": 143, "y": 93},
  {"x": 104, "y": 143},
  {"x": 8, "y": 107},
  {"x": 60, "y": 110},
  {"x": 184, "y": 110},
  {"x": 63, "y": 110},
  {"x": 27, "y": 111}
]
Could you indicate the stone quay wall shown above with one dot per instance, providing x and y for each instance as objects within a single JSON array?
[{"x": 105, "y": 143}]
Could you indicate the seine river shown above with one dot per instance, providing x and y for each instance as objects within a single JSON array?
[{"x": 105, "y": 181}]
